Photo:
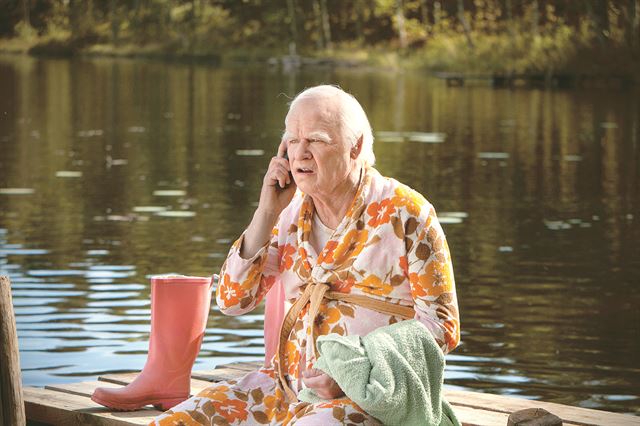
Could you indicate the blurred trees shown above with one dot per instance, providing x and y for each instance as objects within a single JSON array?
[{"x": 488, "y": 31}]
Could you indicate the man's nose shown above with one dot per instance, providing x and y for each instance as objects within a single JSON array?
[{"x": 302, "y": 151}]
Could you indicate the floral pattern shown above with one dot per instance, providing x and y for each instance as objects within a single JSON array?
[{"x": 389, "y": 246}]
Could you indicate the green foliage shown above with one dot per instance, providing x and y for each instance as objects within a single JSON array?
[{"x": 536, "y": 36}]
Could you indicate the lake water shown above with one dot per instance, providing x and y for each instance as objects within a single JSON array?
[{"x": 114, "y": 170}]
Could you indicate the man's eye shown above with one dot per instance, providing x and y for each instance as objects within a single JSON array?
[{"x": 293, "y": 141}]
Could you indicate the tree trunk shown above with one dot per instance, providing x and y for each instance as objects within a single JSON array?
[
  {"x": 115, "y": 23},
  {"x": 437, "y": 13},
  {"x": 26, "y": 9},
  {"x": 509, "y": 10},
  {"x": 635, "y": 23},
  {"x": 73, "y": 18},
  {"x": 359, "y": 20},
  {"x": 291, "y": 7},
  {"x": 326, "y": 25},
  {"x": 402, "y": 32},
  {"x": 424, "y": 8},
  {"x": 536, "y": 17},
  {"x": 320, "y": 43},
  {"x": 465, "y": 24}
]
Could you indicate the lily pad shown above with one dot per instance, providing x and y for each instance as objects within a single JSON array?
[
  {"x": 169, "y": 193},
  {"x": 17, "y": 191},
  {"x": 176, "y": 213}
]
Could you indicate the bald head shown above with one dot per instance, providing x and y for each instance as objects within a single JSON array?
[{"x": 343, "y": 109}]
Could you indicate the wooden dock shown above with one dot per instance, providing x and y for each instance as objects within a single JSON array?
[{"x": 70, "y": 404}]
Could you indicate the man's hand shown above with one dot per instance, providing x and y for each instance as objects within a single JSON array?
[{"x": 324, "y": 386}]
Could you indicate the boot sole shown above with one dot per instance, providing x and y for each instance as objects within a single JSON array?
[{"x": 162, "y": 404}]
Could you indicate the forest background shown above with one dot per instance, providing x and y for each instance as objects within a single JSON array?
[{"x": 472, "y": 36}]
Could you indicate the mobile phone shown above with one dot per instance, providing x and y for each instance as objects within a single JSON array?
[{"x": 286, "y": 157}]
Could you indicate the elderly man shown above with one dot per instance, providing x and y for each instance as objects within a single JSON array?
[{"x": 357, "y": 255}]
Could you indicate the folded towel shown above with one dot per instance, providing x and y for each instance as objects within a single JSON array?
[{"x": 394, "y": 373}]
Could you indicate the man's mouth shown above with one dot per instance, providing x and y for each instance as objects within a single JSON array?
[{"x": 304, "y": 170}]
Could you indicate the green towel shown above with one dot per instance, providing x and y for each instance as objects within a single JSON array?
[{"x": 394, "y": 373}]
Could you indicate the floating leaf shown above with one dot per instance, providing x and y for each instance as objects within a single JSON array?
[
  {"x": 149, "y": 209},
  {"x": 17, "y": 191},
  {"x": 493, "y": 155},
  {"x": 176, "y": 213},
  {"x": 426, "y": 137},
  {"x": 169, "y": 193},
  {"x": 447, "y": 220},
  {"x": 68, "y": 174},
  {"x": 250, "y": 152}
]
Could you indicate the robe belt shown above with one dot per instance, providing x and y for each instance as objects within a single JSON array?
[{"x": 314, "y": 293}]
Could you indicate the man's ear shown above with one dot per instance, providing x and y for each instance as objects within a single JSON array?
[{"x": 357, "y": 148}]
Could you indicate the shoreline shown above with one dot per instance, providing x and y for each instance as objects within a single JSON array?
[{"x": 382, "y": 59}]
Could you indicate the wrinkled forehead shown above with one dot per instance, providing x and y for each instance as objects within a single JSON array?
[{"x": 313, "y": 112}]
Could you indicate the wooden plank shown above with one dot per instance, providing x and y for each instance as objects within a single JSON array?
[
  {"x": 469, "y": 416},
  {"x": 58, "y": 408},
  {"x": 243, "y": 366},
  {"x": 218, "y": 374},
  {"x": 86, "y": 388},
  {"x": 81, "y": 388},
  {"x": 507, "y": 404},
  {"x": 124, "y": 379}
]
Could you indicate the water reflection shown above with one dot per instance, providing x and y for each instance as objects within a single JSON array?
[{"x": 115, "y": 170}]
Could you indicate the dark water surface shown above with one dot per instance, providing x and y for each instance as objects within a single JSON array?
[{"x": 538, "y": 192}]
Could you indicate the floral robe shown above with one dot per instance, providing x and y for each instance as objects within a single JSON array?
[{"x": 389, "y": 246}]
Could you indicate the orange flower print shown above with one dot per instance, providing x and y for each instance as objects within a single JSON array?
[
  {"x": 178, "y": 418},
  {"x": 231, "y": 409},
  {"x": 433, "y": 283},
  {"x": 340, "y": 402},
  {"x": 326, "y": 318},
  {"x": 343, "y": 286},
  {"x": 351, "y": 245},
  {"x": 404, "y": 265},
  {"x": 293, "y": 359},
  {"x": 304, "y": 258},
  {"x": 327, "y": 254},
  {"x": 285, "y": 254},
  {"x": 407, "y": 197},
  {"x": 452, "y": 334},
  {"x": 380, "y": 212},
  {"x": 217, "y": 393},
  {"x": 374, "y": 285},
  {"x": 230, "y": 292}
]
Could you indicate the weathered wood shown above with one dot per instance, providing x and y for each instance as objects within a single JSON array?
[
  {"x": 242, "y": 366},
  {"x": 124, "y": 379},
  {"x": 11, "y": 401},
  {"x": 469, "y": 416},
  {"x": 59, "y": 408},
  {"x": 81, "y": 388},
  {"x": 533, "y": 417},
  {"x": 69, "y": 404},
  {"x": 568, "y": 414}
]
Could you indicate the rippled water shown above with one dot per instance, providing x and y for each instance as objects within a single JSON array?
[{"x": 114, "y": 170}]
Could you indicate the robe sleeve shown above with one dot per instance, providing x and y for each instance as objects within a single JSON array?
[
  {"x": 244, "y": 282},
  {"x": 431, "y": 278}
]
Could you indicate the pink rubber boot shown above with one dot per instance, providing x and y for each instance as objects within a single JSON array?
[{"x": 179, "y": 311}]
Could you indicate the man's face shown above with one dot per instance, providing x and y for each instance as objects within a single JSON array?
[{"x": 318, "y": 153}]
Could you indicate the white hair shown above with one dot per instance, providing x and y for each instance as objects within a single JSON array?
[{"x": 351, "y": 116}]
